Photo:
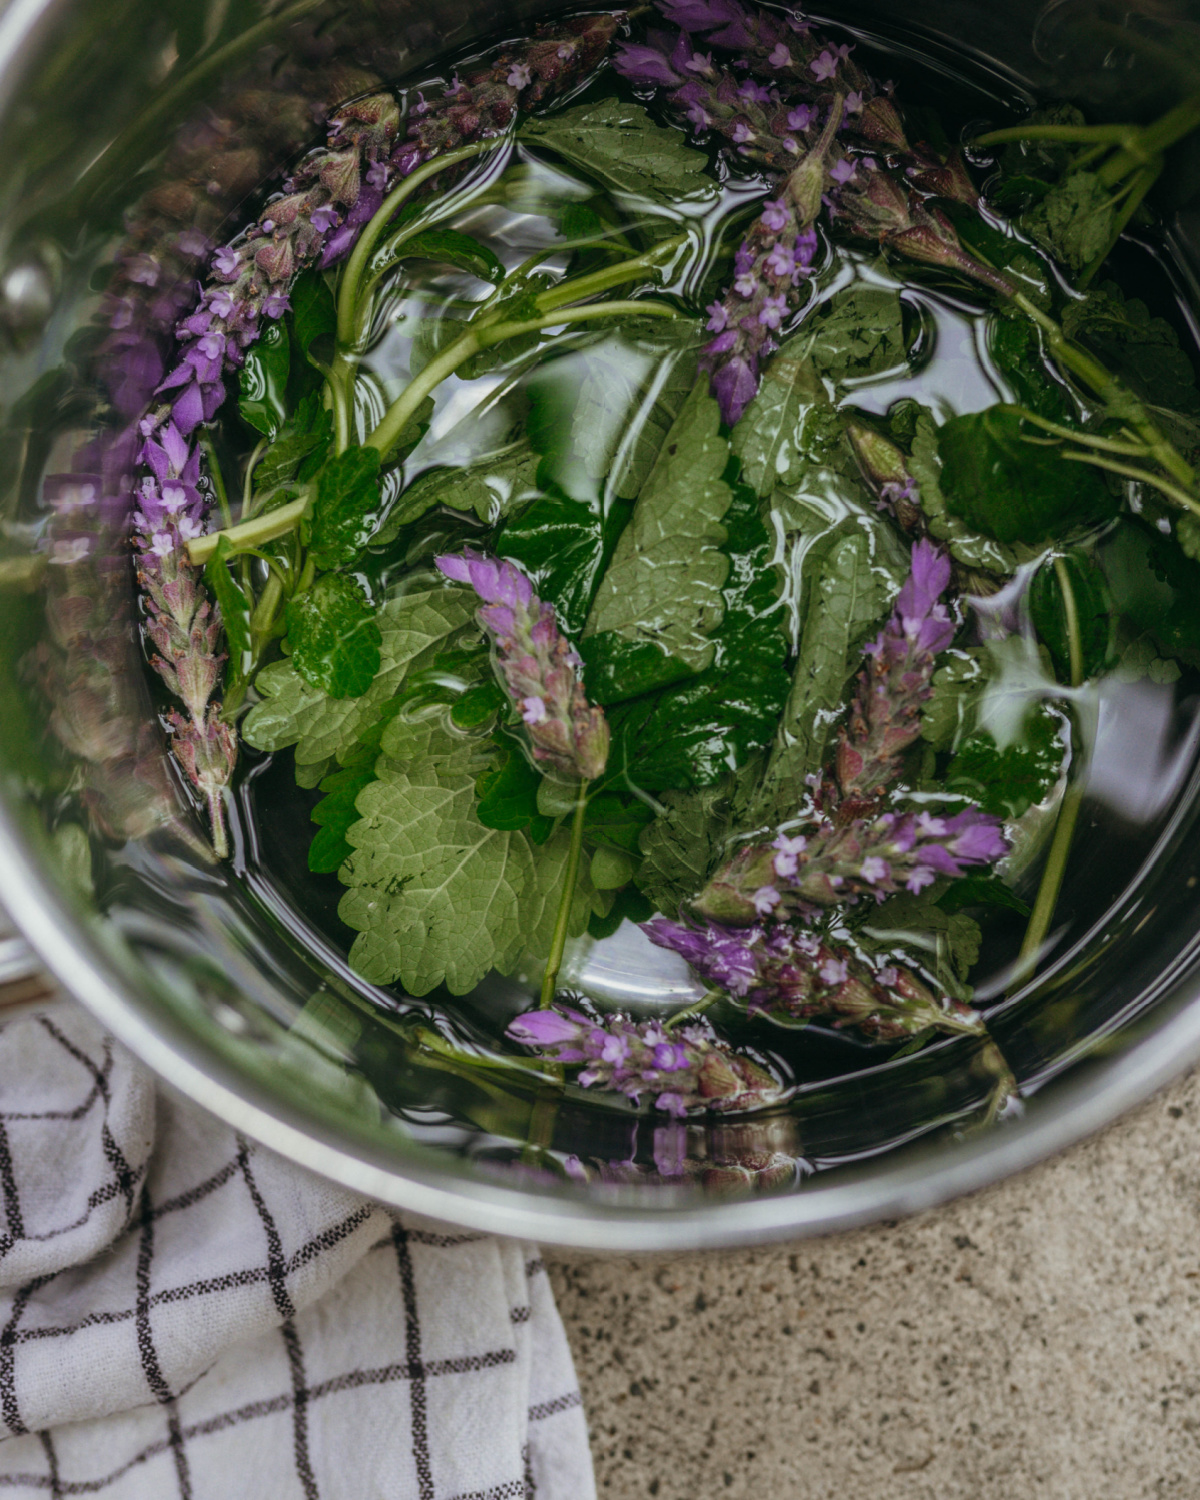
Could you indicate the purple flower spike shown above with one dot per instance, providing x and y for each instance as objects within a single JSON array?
[
  {"x": 795, "y": 975},
  {"x": 539, "y": 666},
  {"x": 680, "y": 1071}
]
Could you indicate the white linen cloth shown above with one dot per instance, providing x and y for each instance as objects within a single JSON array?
[{"x": 184, "y": 1314}]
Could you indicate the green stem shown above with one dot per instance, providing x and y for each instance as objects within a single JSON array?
[
  {"x": 1151, "y": 141},
  {"x": 1110, "y": 391},
  {"x": 566, "y": 900},
  {"x": 1138, "y": 187},
  {"x": 697, "y": 1008},
  {"x": 262, "y": 621},
  {"x": 248, "y": 483},
  {"x": 1164, "y": 486},
  {"x": 347, "y": 319},
  {"x": 1071, "y": 610},
  {"x": 1068, "y": 814},
  {"x": 250, "y": 533},
  {"x": 1109, "y": 135},
  {"x": 398, "y": 415},
  {"x": 1088, "y": 439}
]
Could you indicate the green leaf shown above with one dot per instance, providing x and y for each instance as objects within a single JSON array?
[
  {"x": 448, "y": 247},
  {"x": 616, "y": 821},
  {"x": 309, "y": 429},
  {"x": 235, "y": 609},
  {"x": 965, "y": 545},
  {"x": 1015, "y": 344},
  {"x": 618, "y": 143},
  {"x": 314, "y": 316},
  {"x": 663, "y": 586},
  {"x": 951, "y": 938},
  {"x": 263, "y": 380},
  {"x": 346, "y": 509},
  {"x": 435, "y": 895},
  {"x": 629, "y": 906},
  {"x": 683, "y": 845},
  {"x": 1005, "y": 782},
  {"x": 508, "y": 791},
  {"x": 493, "y": 487},
  {"x": 478, "y": 705},
  {"x": 564, "y": 546},
  {"x": 778, "y": 432},
  {"x": 949, "y": 712},
  {"x": 1140, "y": 350},
  {"x": 334, "y": 637},
  {"x": 414, "y": 628},
  {"x": 849, "y": 584},
  {"x": 858, "y": 333},
  {"x": 335, "y": 814},
  {"x": 696, "y": 732},
  {"x": 1074, "y": 221},
  {"x": 1093, "y": 607},
  {"x": 982, "y": 890},
  {"x": 1157, "y": 587},
  {"x": 1012, "y": 489}
]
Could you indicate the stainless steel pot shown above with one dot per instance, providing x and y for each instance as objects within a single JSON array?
[{"x": 173, "y": 111}]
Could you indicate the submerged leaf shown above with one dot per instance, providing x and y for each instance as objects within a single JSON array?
[
  {"x": 346, "y": 509},
  {"x": 683, "y": 845},
  {"x": 1140, "y": 350},
  {"x": 663, "y": 586},
  {"x": 1013, "y": 489},
  {"x": 334, "y": 636},
  {"x": 1074, "y": 221},
  {"x": 435, "y": 895},
  {"x": 263, "y": 380},
  {"x": 413, "y": 628},
  {"x": 618, "y": 142}
]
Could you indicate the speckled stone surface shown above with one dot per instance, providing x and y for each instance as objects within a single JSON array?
[{"x": 1040, "y": 1338}]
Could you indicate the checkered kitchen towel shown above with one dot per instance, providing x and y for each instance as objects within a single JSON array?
[{"x": 183, "y": 1314}]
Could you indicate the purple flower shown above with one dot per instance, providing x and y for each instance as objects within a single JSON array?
[
  {"x": 781, "y": 261},
  {"x": 843, "y": 171},
  {"x": 540, "y": 668},
  {"x": 717, "y": 317},
  {"x": 734, "y": 385},
  {"x": 682, "y": 1071},
  {"x": 325, "y": 218},
  {"x": 854, "y": 102},
  {"x": 801, "y": 117},
  {"x": 824, "y": 66},
  {"x": 226, "y": 263},
  {"x": 519, "y": 77},
  {"x": 698, "y": 116},
  {"x": 742, "y": 132},
  {"x": 780, "y": 57},
  {"x": 756, "y": 93},
  {"x": 775, "y": 215},
  {"x": 645, "y": 66},
  {"x": 774, "y": 310}
]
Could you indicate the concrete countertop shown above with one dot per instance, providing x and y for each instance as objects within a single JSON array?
[{"x": 1039, "y": 1338}]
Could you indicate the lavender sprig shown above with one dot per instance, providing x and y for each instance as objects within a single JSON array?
[
  {"x": 885, "y": 714},
  {"x": 682, "y": 1071},
  {"x": 849, "y": 856},
  {"x": 789, "y": 974},
  {"x": 539, "y": 666}
]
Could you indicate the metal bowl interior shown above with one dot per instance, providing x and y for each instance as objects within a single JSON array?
[{"x": 209, "y": 975}]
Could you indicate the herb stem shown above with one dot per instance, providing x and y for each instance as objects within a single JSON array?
[
  {"x": 1172, "y": 491},
  {"x": 263, "y": 618},
  {"x": 1110, "y": 391},
  {"x": 1107, "y": 135},
  {"x": 1088, "y": 439},
  {"x": 1141, "y": 149},
  {"x": 347, "y": 313},
  {"x": 1137, "y": 189},
  {"x": 248, "y": 483},
  {"x": 250, "y": 533},
  {"x": 566, "y": 900},
  {"x": 697, "y": 1008},
  {"x": 1068, "y": 814},
  {"x": 400, "y": 413}
]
